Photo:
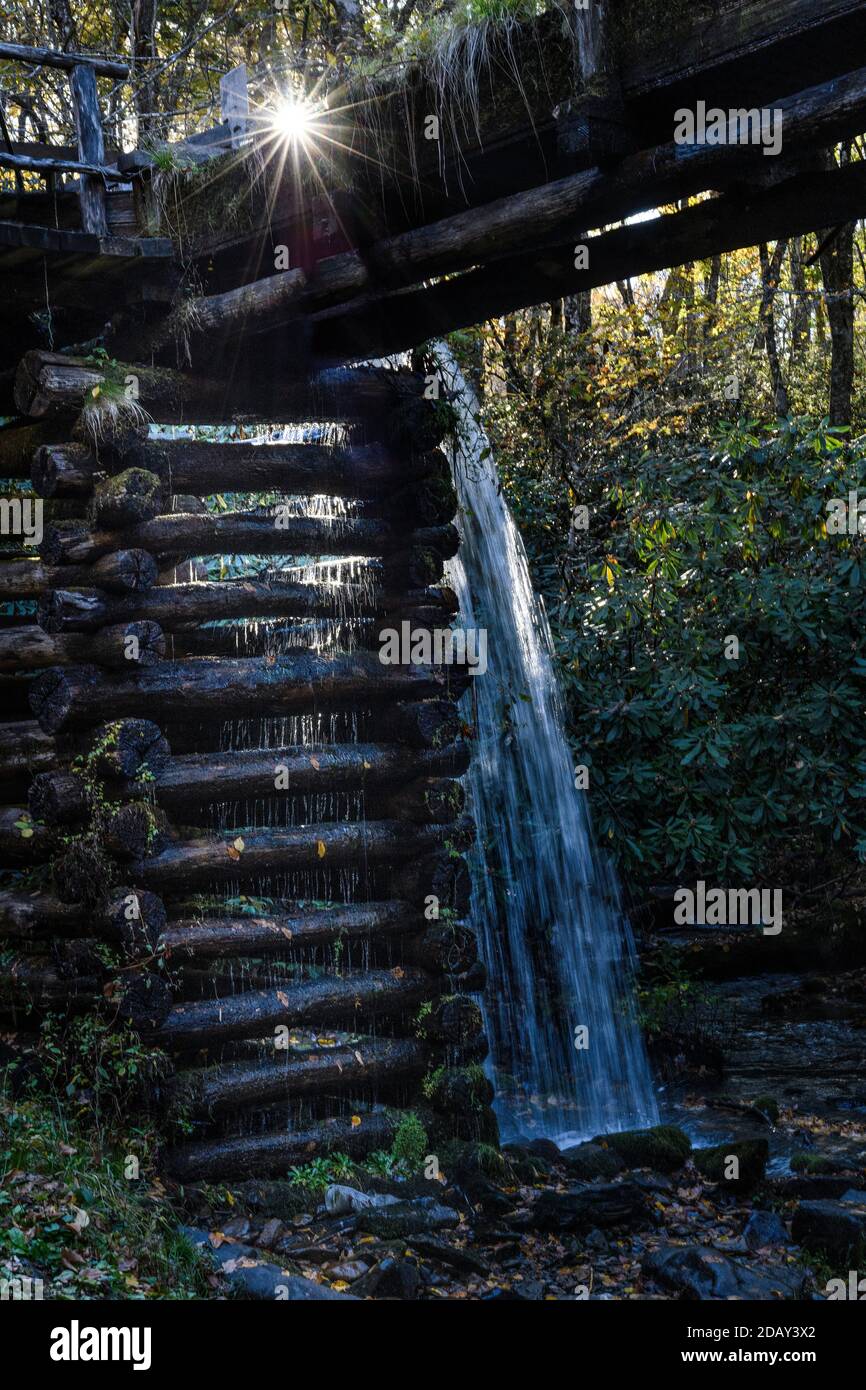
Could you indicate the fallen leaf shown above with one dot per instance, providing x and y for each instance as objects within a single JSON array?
[
  {"x": 320, "y": 849},
  {"x": 356, "y": 1120}
]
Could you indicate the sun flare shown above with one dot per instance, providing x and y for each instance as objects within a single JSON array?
[{"x": 293, "y": 120}]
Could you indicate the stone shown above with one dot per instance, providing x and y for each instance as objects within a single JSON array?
[
  {"x": 834, "y": 1229},
  {"x": 601, "y": 1206},
  {"x": 764, "y": 1228},
  {"x": 589, "y": 1161},
  {"x": 399, "y": 1220},
  {"x": 350, "y": 1270},
  {"x": 339, "y": 1201},
  {"x": 698, "y": 1273},
  {"x": 389, "y": 1279},
  {"x": 664, "y": 1148},
  {"x": 751, "y": 1155},
  {"x": 254, "y": 1278}
]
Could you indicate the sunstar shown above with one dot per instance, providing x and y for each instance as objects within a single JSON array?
[{"x": 76, "y": 1343}]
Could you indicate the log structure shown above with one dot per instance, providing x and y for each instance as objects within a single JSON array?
[
  {"x": 209, "y": 777},
  {"x": 220, "y": 781}
]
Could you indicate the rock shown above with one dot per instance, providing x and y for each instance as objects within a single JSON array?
[
  {"x": 544, "y": 1148},
  {"x": 350, "y": 1270},
  {"x": 663, "y": 1147},
  {"x": 399, "y": 1220},
  {"x": 483, "y": 1193},
  {"x": 527, "y": 1166},
  {"x": 811, "y": 1188},
  {"x": 270, "y": 1283},
  {"x": 589, "y": 1161},
  {"x": 764, "y": 1228},
  {"x": 751, "y": 1160},
  {"x": 452, "y": 1255},
  {"x": 698, "y": 1273},
  {"x": 389, "y": 1279},
  {"x": 587, "y": 1208},
  {"x": 834, "y": 1229},
  {"x": 341, "y": 1200},
  {"x": 271, "y": 1232},
  {"x": 253, "y": 1278},
  {"x": 769, "y": 1106},
  {"x": 815, "y": 1164},
  {"x": 597, "y": 1240}
]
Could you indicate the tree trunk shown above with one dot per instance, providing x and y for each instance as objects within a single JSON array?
[{"x": 837, "y": 270}]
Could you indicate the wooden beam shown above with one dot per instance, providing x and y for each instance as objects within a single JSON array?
[
  {"x": 51, "y": 58},
  {"x": 390, "y": 323},
  {"x": 91, "y": 149}
]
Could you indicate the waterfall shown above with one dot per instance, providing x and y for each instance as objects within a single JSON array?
[{"x": 567, "y": 1056}]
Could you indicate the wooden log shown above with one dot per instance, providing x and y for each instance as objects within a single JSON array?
[
  {"x": 195, "y": 323},
  {"x": 37, "y": 983},
  {"x": 127, "y": 499},
  {"x": 455, "y": 1019},
  {"x": 420, "y": 724},
  {"x": 203, "y": 468},
  {"x": 142, "y": 999},
  {"x": 185, "y": 864},
  {"x": 426, "y": 800},
  {"x": 25, "y": 750},
  {"x": 183, "y": 534},
  {"x": 29, "y": 647},
  {"x": 48, "y": 384},
  {"x": 124, "y": 748},
  {"x": 91, "y": 149},
  {"x": 19, "y": 442},
  {"x": 132, "y": 918},
  {"x": 301, "y": 930},
  {"x": 246, "y": 774},
  {"x": 59, "y": 798},
  {"x": 22, "y": 840},
  {"x": 74, "y": 696},
  {"x": 371, "y": 1064},
  {"x": 126, "y": 571},
  {"x": 178, "y": 606},
  {"x": 328, "y": 1001},
  {"x": 53, "y": 58},
  {"x": 263, "y": 1155},
  {"x": 444, "y": 878},
  {"x": 743, "y": 217}
]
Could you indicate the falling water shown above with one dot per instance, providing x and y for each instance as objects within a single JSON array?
[{"x": 556, "y": 945}]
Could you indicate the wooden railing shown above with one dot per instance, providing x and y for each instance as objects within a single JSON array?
[{"x": 91, "y": 167}]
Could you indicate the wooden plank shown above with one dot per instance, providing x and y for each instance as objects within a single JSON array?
[
  {"x": 74, "y": 243},
  {"x": 91, "y": 149},
  {"x": 51, "y": 166},
  {"x": 235, "y": 104},
  {"x": 51, "y": 58}
]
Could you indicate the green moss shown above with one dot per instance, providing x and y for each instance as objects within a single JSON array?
[
  {"x": 768, "y": 1106},
  {"x": 410, "y": 1146},
  {"x": 751, "y": 1156},
  {"x": 664, "y": 1147},
  {"x": 805, "y": 1161}
]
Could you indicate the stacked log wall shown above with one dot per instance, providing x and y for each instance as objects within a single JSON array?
[{"x": 219, "y": 779}]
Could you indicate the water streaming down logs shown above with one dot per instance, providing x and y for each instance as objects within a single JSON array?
[
  {"x": 270, "y": 804},
  {"x": 554, "y": 939}
]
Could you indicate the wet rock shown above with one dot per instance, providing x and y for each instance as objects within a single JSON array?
[
  {"x": 589, "y": 1161},
  {"x": 751, "y": 1157},
  {"x": 254, "y": 1278},
  {"x": 810, "y": 1188},
  {"x": 483, "y": 1193},
  {"x": 544, "y": 1148},
  {"x": 834, "y": 1229},
  {"x": 663, "y": 1147},
  {"x": 390, "y": 1279},
  {"x": 527, "y": 1166},
  {"x": 455, "y": 1257},
  {"x": 350, "y": 1270},
  {"x": 816, "y": 1164},
  {"x": 585, "y": 1208},
  {"x": 339, "y": 1201},
  {"x": 764, "y": 1228},
  {"x": 404, "y": 1219},
  {"x": 695, "y": 1272}
]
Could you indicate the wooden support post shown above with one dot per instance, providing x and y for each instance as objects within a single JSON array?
[{"x": 91, "y": 149}]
